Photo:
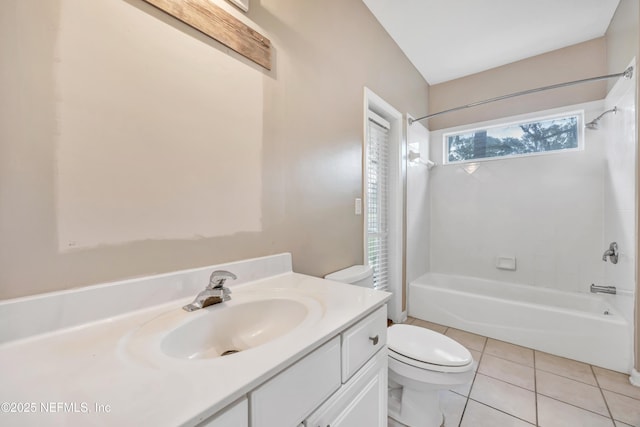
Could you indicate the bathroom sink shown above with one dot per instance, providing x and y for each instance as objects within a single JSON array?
[
  {"x": 248, "y": 321},
  {"x": 222, "y": 331}
]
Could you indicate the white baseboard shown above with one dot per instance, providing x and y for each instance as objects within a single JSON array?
[{"x": 635, "y": 378}]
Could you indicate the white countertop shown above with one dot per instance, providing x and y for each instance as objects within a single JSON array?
[{"x": 87, "y": 375}]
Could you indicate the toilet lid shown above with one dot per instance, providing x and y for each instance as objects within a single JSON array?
[{"x": 425, "y": 345}]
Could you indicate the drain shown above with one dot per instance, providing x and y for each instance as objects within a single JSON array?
[{"x": 228, "y": 352}]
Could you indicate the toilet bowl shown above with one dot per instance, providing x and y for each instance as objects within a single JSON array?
[{"x": 421, "y": 363}]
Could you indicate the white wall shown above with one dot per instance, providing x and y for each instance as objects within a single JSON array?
[
  {"x": 619, "y": 190},
  {"x": 544, "y": 210}
]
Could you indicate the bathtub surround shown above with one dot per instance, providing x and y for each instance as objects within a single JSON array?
[
  {"x": 550, "y": 222},
  {"x": 619, "y": 212},
  {"x": 557, "y": 224},
  {"x": 132, "y": 144}
]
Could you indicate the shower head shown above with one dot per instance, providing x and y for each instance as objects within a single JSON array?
[{"x": 594, "y": 124}]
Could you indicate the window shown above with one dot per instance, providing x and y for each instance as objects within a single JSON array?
[
  {"x": 542, "y": 135},
  {"x": 383, "y": 178},
  {"x": 377, "y": 188}
]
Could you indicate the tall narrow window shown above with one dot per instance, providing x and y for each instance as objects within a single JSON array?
[{"x": 377, "y": 192}]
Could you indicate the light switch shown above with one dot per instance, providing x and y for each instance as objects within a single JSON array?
[{"x": 358, "y": 206}]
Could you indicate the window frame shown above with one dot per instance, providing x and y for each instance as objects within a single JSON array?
[{"x": 579, "y": 114}]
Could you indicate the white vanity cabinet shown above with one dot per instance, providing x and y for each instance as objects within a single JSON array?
[{"x": 343, "y": 383}]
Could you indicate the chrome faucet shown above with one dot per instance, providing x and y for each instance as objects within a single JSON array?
[
  {"x": 214, "y": 293},
  {"x": 612, "y": 253},
  {"x": 603, "y": 289}
]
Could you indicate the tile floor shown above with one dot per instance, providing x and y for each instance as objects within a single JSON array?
[{"x": 518, "y": 387}]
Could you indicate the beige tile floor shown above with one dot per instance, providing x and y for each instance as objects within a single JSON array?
[{"x": 518, "y": 387}]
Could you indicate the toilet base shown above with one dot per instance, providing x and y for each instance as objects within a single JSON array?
[{"x": 414, "y": 408}]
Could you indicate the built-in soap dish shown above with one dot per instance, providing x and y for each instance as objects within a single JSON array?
[{"x": 506, "y": 262}]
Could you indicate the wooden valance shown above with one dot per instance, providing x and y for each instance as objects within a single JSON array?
[{"x": 218, "y": 24}]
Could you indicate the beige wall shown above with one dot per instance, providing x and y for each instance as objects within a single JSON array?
[
  {"x": 575, "y": 62},
  {"x": 637, "y": 313},
  {"x": 622, "y": 36},
  {"x": 131, "y": 144}
]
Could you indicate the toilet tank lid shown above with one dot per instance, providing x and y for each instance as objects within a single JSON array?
[{"x": 351, "y": 274}]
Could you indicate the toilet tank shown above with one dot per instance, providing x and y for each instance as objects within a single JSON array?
[{"x": 359, "y": 275}]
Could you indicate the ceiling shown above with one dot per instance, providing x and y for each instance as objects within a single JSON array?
[{"x": 448, "y": 39}]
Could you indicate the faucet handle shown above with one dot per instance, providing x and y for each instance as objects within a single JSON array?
[{"x": 218, "y": 277}]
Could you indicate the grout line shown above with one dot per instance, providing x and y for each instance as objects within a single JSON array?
[
  {"x": 507, "y": 382},
  {"x": 512, "y": 361},
  {"x": 510, "y": 383},
  {"x": 500, "y": 410},
  {"x": 619, "y": 394},
  {"x": 576, "y": 406},
  {"x": 603, "y": 396},
  {"x": 473, "y": 381},
  {"x": 569, "y": 378},
  {"x": 535, "y": 388}
]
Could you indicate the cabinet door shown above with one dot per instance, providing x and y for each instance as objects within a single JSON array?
[
  {"x": 235, "y": 415},
  {"x": 289, "y": 397},
  {"x": 362, "y": 401}
]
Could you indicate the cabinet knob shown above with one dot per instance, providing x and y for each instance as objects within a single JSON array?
[{"x": 374, "y": 339}]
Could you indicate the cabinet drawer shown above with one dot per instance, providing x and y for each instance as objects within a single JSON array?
[
  {"x": 292, "y": 395},
  {"x": 362, "y": 340}
]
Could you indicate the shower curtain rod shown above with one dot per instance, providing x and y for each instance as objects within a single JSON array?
[{"x": 628, "y": 73}]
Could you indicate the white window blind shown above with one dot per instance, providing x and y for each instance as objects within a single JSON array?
[{"x": 377, "y": 191}]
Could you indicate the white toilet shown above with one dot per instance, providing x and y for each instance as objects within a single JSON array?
[{"x": 421, "y": 362}]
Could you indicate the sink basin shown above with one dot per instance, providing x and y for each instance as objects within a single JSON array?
[
  {"x": 248, "y": 321},
  {"x": 223, "y": 331}
]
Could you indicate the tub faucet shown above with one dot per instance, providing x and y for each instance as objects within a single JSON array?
[
  {"x": 603, "y": 289},
  {"x": 214, "y": 293},
  {"x": 612, "y": 253}
]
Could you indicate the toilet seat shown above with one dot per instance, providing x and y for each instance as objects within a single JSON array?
[{"x": 426, "y": 349}]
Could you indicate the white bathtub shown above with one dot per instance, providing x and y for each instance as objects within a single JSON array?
[{"x": 567, "y": 324}]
